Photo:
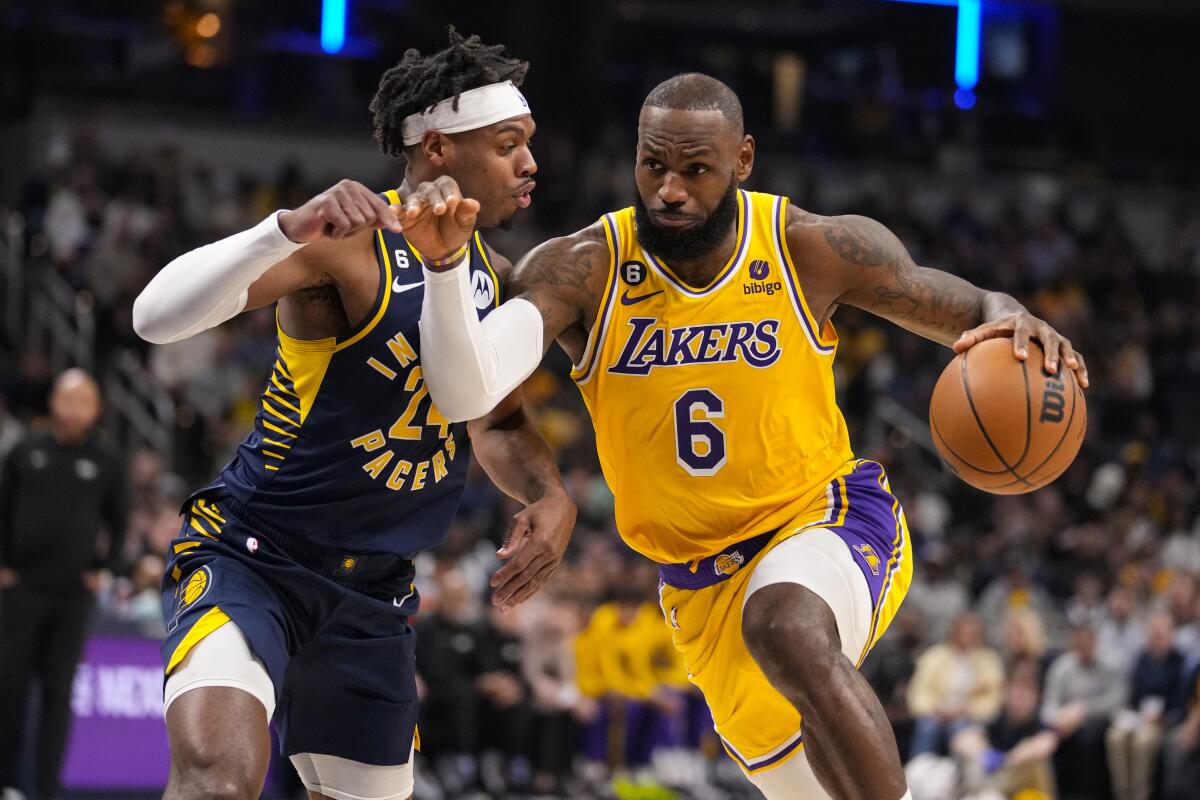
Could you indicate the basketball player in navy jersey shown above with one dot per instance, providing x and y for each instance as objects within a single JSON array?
[{"x": 288, "y": 594}]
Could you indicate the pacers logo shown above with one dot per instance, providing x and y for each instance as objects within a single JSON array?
[
  {"x": 868, "y": 555},
  {"x": 195, "y": 588},
  {"x": 728, "y": 563},
  {"x": 188, "y": 595}
]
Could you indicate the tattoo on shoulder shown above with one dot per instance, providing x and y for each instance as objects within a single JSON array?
[
  {"x": 562, "y": 262},
  {"x": 862, "y": 242}
]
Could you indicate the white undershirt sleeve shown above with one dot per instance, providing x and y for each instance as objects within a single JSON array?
[
  {"x": 206, "y": 286},
  {"x": 469, "y": 364}
]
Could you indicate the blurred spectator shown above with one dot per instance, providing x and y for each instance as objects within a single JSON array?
[
  {"x": 1014, "y": 588},
  {"x": 1119, "y": 637},
  {"x": 1181, "y": 758},
  {"x": 11, "y": 430},
  {"x": 1024, "y": 641},
  {"x": 1155, "y": 694},
  {"x": 559, "y": 707},
  {"x": 1081, "y": 695},
  {"x": 955, "y": 683},
  {"x": 449, "y": 664},
  {"x": 58, "y": 490},
  {"x": 1011, "y": 754},
  {"x": 936, "y": 592}
]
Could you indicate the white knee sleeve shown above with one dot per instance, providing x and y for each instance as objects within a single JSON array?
[
  {"x": 343, "y": 779},
  {"x": 821, "y": 562},
  {"x": 222, "y": 658}
]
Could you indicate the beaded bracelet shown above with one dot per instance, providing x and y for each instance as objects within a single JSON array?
[{"x": 453, "y": 258}]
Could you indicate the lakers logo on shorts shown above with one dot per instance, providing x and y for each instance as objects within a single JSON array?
[
  {"x": 728, "y": 563},
  {"x": 868, "y": 555}
]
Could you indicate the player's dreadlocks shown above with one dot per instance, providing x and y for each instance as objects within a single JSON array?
[{"x": 419, "y": 82}]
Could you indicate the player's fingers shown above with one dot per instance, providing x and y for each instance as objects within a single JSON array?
[
  {"x": 364, "y": 208},
  {"x": 1081, "y": 371},
  {"x": 448, "y": 187},
  {"x": 384, "y": 214},
  {"x": 434, "y": 197},
  {"x": 331, "y": 211},
  {"x": 466, "y": 212},
  {"x": 1051, "y": 346},
  {"x": 990, "y": 330},
  {"x": 517, "y": 529},
  {"x": 1021, "y": 334},
  {"x": 520, "y": 560},
  {"x": 530, "y": 588}
]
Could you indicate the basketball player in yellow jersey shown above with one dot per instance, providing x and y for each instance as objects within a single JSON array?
[{"x": 699, "y": 325}]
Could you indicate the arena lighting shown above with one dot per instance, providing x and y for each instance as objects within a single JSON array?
[
  {"x": 333, "y": 25},
  {"x": 966, "y": 50}
]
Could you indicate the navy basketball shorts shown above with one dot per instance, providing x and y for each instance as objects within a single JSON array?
[{"x": 339, "y": 652}]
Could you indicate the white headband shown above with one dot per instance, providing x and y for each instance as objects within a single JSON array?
[{"x": 476, "y": 108}]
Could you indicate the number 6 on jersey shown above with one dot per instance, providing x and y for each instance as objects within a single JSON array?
[{"x": 699, "y": 444}]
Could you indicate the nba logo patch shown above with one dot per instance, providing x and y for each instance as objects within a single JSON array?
[
  {"x": 868, "y": 555},
  {"x": 728, "y": 563}
]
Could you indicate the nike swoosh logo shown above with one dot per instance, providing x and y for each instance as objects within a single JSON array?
[
  {"x": 626, "y": 300},
  {"x": 399, "y": 603},
  {"x": 398, "y": 287}
]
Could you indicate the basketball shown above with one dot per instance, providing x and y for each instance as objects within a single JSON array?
[{"x": 1003, "y": 425}]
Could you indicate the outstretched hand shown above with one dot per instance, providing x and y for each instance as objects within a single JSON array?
[
  {"x": 342, "y": 210},
  {"x": 437, "y": 219},
  {"x": 534, "y": 548},
  {"x": 1023, "y": 326}
]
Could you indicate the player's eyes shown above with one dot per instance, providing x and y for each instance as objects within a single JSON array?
[
  {"x": 651, "y": 164},
  {"x": 508, "y": 148},
  {"x": 698, "y": 169}
]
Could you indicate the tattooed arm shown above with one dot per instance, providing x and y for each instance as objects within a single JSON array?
[
  {"x": 857, "y": 261},
  {"x": 564, "y": 279}
]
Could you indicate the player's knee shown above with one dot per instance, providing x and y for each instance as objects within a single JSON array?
[
  {"x": 792, "y": 634},
  {"x": 203, "y": 773}
]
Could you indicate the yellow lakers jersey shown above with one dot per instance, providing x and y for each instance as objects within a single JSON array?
[{"x": 714, "y": 407}]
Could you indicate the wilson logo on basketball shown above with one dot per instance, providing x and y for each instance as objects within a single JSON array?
[{"x": 1054, "y": 401}]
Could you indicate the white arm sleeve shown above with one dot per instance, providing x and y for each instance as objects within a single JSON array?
[
  {"x": 206, "y": 286},
  {"x": 471, "y": 365}
]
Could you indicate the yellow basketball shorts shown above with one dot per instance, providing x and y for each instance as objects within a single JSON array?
[{"x": 703, "y": 604}]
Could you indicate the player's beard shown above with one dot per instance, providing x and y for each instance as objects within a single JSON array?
[{"x": 688, "y": 244}]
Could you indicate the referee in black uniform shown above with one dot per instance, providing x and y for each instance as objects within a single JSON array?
[{"x": 58, "y": 490}]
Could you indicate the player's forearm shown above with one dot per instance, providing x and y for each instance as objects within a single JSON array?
[
  {"x": 470, "y": 365},
  {"x": 516, "y": 457},
  {"x": 207, "y": 286}
]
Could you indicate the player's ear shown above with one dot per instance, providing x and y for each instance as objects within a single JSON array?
[
  {"x": 433, "y": 147},
  {"x": 745, "y": 158}
]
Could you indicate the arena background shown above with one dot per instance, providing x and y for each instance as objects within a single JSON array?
[{"x": 1065, "y": 172}]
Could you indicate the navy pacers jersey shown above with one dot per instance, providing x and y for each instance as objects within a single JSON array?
[{"x": 348, "y": 450}]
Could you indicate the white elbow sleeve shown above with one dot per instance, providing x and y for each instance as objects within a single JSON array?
[
  {"x": 206, "y": 286},
  {"x": 471, "y": 365}
]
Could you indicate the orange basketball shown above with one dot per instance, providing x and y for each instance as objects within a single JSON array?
[{"x": 1003, "y": 425}]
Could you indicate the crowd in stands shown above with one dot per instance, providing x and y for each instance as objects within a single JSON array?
[{"x": 1049, "y": 646}]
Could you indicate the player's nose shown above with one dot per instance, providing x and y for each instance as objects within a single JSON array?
[
  {"x": 672, "y": 191},
  {"x": 527, "y": 166}
]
